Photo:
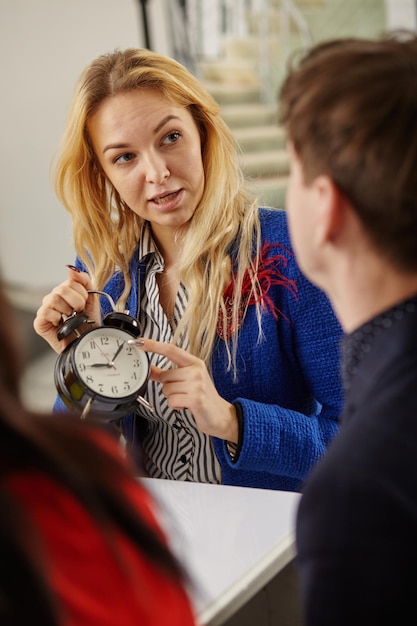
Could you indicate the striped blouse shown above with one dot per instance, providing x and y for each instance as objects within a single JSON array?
[{"x": 172, "y": 445}]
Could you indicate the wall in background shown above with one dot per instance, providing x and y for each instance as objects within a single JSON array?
[
  {"x": 44, "y": 46},
  {"x": 401, "y": 13}
]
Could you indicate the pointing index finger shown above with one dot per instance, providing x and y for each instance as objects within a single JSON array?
[{"x": 176, "y": 355}]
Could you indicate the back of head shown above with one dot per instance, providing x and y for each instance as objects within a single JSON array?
[
  {"x": 76, "y": 457},
  {"x": 350, "y": 111}
]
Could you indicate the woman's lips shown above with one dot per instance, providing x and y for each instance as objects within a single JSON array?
[{"x": 168, "y": 200}]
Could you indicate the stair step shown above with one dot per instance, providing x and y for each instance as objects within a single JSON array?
[
  {"x": 270, "y": 191},
  {"x": 249, "y": 114},
  {"x": 249, "y": 48},
  {"x": 256, "y": 21},
  {"x": 246, "y": 47},
  {"x": 231, "y": 71},
  {"x": 260, "y": 137},
  {"x": 226, "y": 94},
  {"x": 265, "y": 163}
]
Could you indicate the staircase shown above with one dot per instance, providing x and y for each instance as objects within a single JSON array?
[
  {"x": 234, "y": 83},
  {"x": 235, "y": 79},
  {"x": 261, "y": 141}
]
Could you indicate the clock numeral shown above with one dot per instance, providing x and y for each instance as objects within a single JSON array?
[
  {"x": 104, "y": 341},
  {"x": 100, "y": 388},
  {"x": 126, "y": 386},
  {"x": 89, "y": 379},
  {"x": 85, "y": 355},
  {"x": 136, "y": 363},
  {"x": 114, "y": 389},
  {"x": 82, "y": 367},
  {"x": 129, "y": 350}
]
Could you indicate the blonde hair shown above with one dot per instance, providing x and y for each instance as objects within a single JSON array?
[{"x": 106, "y": 231}]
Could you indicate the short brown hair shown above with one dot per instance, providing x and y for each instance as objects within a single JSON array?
[{"x": 350, "y": 111}]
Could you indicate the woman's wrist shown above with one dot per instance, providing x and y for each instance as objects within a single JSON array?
[{"x": 234, "y": 447}]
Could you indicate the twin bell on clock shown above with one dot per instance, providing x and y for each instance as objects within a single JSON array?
[{"x": 102, "y": 371}]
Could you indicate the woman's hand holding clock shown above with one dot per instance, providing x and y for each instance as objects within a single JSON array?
[
  {"x": 71, "y": 295},
  {"x": 86, "y": 376}
]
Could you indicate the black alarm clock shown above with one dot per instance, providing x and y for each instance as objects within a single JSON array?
[{"x": 102, "y": 371}]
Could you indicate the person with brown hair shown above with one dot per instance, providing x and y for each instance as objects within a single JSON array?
[
  {"x": 245, "y": 386},
  {"x": 79, "y": 541},
  {"x": 350, "y": 111}
]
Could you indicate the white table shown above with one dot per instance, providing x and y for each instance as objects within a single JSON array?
[{"x": 232, "y": 540}]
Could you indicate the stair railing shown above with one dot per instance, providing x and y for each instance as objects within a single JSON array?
[
  {"x": 181, "y": 41},
  {"x": 288, "y": 13},
  {"x": 196, "y": 26}
]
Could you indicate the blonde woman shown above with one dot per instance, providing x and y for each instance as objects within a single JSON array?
[{"x": 244, "y": 350}]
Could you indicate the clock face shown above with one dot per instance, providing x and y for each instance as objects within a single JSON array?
[{"x": 108, "y": 365}]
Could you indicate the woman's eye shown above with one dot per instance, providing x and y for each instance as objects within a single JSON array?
[
  {"x": 172, "y": 137},
  {"x": 124, "y": 158}
]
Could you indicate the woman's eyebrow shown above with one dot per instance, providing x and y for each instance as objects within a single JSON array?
[
  {"x": 164, "y": 121},
  {"x": 119, "y": 146}
]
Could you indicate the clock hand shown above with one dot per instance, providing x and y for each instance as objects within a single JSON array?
[
  {"x": 108, "y": 364},
  {"x": 111, "y": 362},
  {"x": 119, "y": 349}
]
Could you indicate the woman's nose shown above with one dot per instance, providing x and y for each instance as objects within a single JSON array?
[{"x": 156, "y": 170}]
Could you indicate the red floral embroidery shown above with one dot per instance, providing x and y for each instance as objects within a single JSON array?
[{"x": 268, "y": 275}]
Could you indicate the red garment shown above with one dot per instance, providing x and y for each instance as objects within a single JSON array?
[{"x": 90, "y": 584}]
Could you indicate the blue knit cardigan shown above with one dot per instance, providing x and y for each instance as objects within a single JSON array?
[{"x": 288, "y": 382}]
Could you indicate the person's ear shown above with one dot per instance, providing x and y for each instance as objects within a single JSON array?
[{"x": 330, "y": 209}]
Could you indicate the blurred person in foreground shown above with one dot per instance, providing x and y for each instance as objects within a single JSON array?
[
  {"x": 79, "y": 541},
  {"x": 350, "y": 111}
]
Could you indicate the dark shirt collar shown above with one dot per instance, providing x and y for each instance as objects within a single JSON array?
[{"x": 359, "y": 343}]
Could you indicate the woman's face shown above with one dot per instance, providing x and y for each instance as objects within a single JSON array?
[{"x": 150, "y": 150}]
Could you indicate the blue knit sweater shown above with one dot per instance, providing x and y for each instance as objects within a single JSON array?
[{"x": 288, "y": 383}]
